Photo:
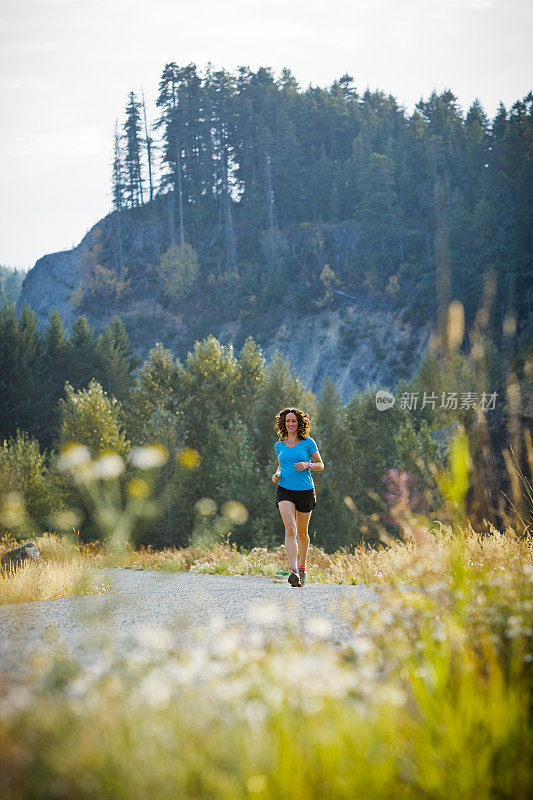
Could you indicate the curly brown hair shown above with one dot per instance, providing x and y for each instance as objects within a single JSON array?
[{"x": 304, "y": 426}]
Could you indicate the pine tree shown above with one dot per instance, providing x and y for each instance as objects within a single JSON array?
[
  {"x": 117, "y": 361},
  {"x": 378, "y": 217},
  {"x": 477, "y": 142},
  {"x": 230, "y": 471},
  {"x": 23, "y": 469},
  {"x": 118, "y": 172},
  {"x": 156, "y": 398},
  {"x": 251, "y": 369},
  {"x": 280, "y": 388},
  {"x": 11, "y": 280},
  {"x": 148, "y": 141},
  {"x": 210, "y": 379},
  {"x": 172, "y": 124},
  {"x": 133, "y": 152},
  {"x": 220, "y": 89},
  {"x": 442, "y": 254},
  {"x": 341, "y": 526},
  {"x": 118, "y": 190},
  {"x": 83, "y": 357},
  {"x": 56, "y": 364},
  {"x": 372, "y": 450},
  {"x": 23, "y": 383}
]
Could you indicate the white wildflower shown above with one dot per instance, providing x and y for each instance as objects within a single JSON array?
[
  {"x": 362, "y": 646},
  {"x": 235, "y": 511},
  {"x": 264, "y": 613},
  {"x": 154, "y": 638},
  {"x": 108, "y": 466},
  {"x": 273, "y": 695},
  {"x": 155, "y": 689},
  {"x": 226, "y": 643},
  {"x": 153, "y": 455},
  {"x": 255, "y": 712},
  {"x": 319, "y": 626},
  {"x": 391, "y": 695},
  {"x": 72, "y": 456},
  {"x": 205, "y": 507}
]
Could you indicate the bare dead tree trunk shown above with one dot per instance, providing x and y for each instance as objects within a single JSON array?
[
  {"x": 148, "y": 141},
  {"x": 180, "y": 198},
  {"x": 443, "y": 282},
  {"x": 231, "y": 246},
  {"x": 171, "y": 218},
  {"x": 231, "y": 249},
  {"x": 270, "y": 204},
  {"x": 117, "y": 202},
  {"x": 119, "y": 241}
]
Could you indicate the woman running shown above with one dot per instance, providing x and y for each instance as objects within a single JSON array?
[{"x": 295, "y": 496}]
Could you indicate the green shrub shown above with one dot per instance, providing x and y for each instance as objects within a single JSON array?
[
  {"x": 90, "y": 417},
  {"x": 178, "y": 269},
  {"x": 25, "y": 474}
]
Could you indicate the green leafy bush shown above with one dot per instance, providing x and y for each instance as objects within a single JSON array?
[
  {"x": 178, "y": 269},
  {"x": 24, "y": 474},
  {"x": 91, "y": 418}
]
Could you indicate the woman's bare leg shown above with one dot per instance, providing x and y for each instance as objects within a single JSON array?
[
  {"x": 287, "y": 511},
  {"x": 302, "y": 524}
]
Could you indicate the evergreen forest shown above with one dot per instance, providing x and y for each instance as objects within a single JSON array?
[{"x": 245, "y": 188}]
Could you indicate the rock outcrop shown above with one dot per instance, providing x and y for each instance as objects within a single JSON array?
[
  {"x": 13, "y": 559},
  {"x": 360, "y": 341},
  {"x": 356, "y": 345},
  {"x": 54, "y": 280}
]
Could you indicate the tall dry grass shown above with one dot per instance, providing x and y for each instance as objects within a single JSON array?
[
  {"x": 62, "y": 573},
  {"x": 395, "y": 562},
  {"x": 69, "y": 570}
]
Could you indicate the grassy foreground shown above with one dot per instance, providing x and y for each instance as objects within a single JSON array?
[{"x": 431, "y": 699}]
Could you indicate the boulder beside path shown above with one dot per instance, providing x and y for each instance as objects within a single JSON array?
[{"x": 14, "y": 558}]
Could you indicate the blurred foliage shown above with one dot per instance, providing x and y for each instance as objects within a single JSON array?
[{"x": 27, "y": 484}]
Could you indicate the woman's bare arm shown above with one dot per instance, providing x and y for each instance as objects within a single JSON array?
[{"x": 316, "y": 464}]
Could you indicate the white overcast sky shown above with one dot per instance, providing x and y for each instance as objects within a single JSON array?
[{"x": 66, "y": 67}]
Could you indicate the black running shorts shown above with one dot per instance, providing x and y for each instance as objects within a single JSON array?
[{"x": 303, "y": 499}]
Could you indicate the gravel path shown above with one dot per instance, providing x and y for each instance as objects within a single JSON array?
[{"x": 185, "y": 602}]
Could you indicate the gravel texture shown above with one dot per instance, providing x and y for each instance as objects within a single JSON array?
[{"x": 189, "y": 604}]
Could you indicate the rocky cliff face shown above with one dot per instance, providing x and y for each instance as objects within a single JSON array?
[
  {"x": 359, "y": 342},
  {"x": 53, "y": 281},
  {"x": 355, "y": 345}
]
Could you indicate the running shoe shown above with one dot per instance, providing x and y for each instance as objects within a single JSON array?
[
  {"x": 293, "y": 578},
  {"x": 301, "y": 576}
]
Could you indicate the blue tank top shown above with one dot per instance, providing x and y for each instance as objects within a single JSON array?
[{"x": 290, "y": 477}]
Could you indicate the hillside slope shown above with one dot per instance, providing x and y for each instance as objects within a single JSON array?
[{"x": 358, "y": 339}]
